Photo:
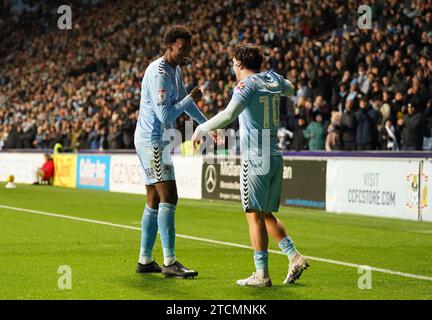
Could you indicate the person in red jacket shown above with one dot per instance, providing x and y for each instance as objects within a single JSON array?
[{"x": 45, "y": 174}]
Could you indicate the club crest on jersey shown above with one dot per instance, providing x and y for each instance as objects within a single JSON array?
[
  {"x": 161, "y": 96},
  {"x": 240, "y": 85}
]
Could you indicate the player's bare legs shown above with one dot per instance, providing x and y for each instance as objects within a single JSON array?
[
  {"x": 257, "y": 231},
  {"x": 259, "y": 241},
  {"x": 297, "y": 263},
  {"x": 152, "y": 197},
  {"x": 275, "y": 227},
  {"x": 149, "y": 226},
  {"x": 167, "y": 191}
]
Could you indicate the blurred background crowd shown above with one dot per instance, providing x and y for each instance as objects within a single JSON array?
[{"x": 355, "y": 89}]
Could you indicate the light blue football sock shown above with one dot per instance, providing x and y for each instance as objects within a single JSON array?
[
  {"x": 149, "y": 227},
  {"x": 287, "y": 246},
  {"x": 261, "y": 263},
  {"x": 167, "y": 231}
]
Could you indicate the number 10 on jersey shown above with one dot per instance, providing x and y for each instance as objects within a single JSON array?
[{"x": 275, "y": 102}]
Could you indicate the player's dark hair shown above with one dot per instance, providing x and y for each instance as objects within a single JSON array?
[
  {"x": 249, "y": 55},
  {"x": 177, "y": 32}
]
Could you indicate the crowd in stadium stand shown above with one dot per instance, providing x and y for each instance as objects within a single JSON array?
[{"x": 355, "y": 89}]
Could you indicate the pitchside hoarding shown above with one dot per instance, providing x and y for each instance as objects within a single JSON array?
[
  {"x": 188, "y": 172},
  {"x": 93, "y": 172},
  {"x": 65, "y": 166},
  {"x": 126, "y": 174},
  {"x": 22, "y": 166},
  {"x": 385, "y": 188},
  {"x": 303, "y": 181},
  {"x": 221, "y": 179}
]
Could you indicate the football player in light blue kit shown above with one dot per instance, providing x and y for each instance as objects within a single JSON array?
[
  {"x": 256, "y": 101},
  {"x": 163, "y": 99}
]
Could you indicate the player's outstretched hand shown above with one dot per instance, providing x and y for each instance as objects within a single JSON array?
[{"x": 196, "y": 94}]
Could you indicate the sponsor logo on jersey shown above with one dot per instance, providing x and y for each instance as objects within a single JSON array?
[{"x": 240, "y": 85}]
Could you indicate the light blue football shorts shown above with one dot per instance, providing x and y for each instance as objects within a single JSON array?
[
  {"x": 261, "y": 184},
  {"x": 157, "y": 164}
]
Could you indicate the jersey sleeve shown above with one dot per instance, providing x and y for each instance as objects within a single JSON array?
[
  {"x": 160, "y": 92},
  {"x": 193, "y": 111},
  {"x": 223, "y": 118},
  {"x": 239, "y": 101}
]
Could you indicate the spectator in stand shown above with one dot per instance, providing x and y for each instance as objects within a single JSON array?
[
  {"x": 398, "y": 106},
  {"x": 298, "y": 142},
  {"x": 363, "y": 80},
  {"x": 102, "y": 139},
  {"x": 412, "y": 129},
  {"x": 39, "y": 141},
  {"x": 339, "y": 98},
  {"x": 315, "y": 133},
  {"x": 366, "y": 121},
  {"x": 376, "y": 104},
  {"x": 347, "y": 127},
  {"x": 284, "y": 137},
  {"x": 388, "y": 136},
  {"x": 115, "y": 140},
  {"x": 334, "y": 135},
  {"x": 321, "y": 106}
]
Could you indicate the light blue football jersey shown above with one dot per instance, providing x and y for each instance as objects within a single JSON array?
[
  {"x": 163, "y": 100},
  {"x": 259, "y": 95}
]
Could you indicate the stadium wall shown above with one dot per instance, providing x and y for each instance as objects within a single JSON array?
[{"x": 384, "y": 185}]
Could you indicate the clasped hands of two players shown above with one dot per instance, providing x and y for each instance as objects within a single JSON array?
[{"x": 196, "y": 95}]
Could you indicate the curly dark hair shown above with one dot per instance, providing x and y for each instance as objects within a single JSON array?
[
  {"x": 177, "y": 32},
  {"x": 249, "y": 55}
]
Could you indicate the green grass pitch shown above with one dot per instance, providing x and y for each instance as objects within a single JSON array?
[{"x": 103, "y": 257}]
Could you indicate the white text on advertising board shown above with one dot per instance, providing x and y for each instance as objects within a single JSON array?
[
  {"x": 129, "y": 174},
  {"x": 371, "y": 197},
  {"x": 92, "y": 174},
  {"x": 229, "y": 169}
]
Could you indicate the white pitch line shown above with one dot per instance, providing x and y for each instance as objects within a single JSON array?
[{"x": 231, "y": 244}]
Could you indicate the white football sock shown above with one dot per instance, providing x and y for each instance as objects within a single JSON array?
[
  {"x": 262, "y": 273},
  {"x": 145, "y": 259},
  {"x": 169, "y": 260}
]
